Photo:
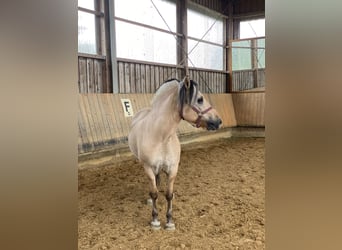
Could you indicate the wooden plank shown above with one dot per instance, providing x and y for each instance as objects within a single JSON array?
[
  {"x": 153, "y": 80},
  {"x": 143, "y": 78},
  {"x": 164, "y": 74},
  {"x": 107, "y": 115},
  {"x": 94, "y": 113},
  {"x": 156, "y": 77},
  {"x": 98, "y": 113},
  {"x": 116, "y": 106},
  {"x": 148, "y": 78},
  {"x": 137, "y": 78},
  {"x": 90, "y": 75},
  {"x": 102, "y": 114},
  {"x": 91, "y": 124},
  {"x": 161, "y": 76},
  {"x": 83, "y": 126},
  {"x": 127, "y": 78},
  {"x": 97, "y": 73},
  {"x": 121, "y": 78},
  {"x": 111, "y": 116},
  {"x": 132, "y": 77},
  {"x": 82, "y": 69}
]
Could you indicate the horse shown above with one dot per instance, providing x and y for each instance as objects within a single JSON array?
[{"x": 154, "y": 141}]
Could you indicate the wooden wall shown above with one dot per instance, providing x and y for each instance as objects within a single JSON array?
[
  {"x": 216, "y": 5},
  {"x": 210, "y": 81},
  {"x": 249, "y": 108},
  {"x": 248, "y": 79},
  {"x": 92, "y": 75},
  {"x": 243, "y": 7},
  {"x": 102, "y": 122},
  {"x": 142, "y": 77}
]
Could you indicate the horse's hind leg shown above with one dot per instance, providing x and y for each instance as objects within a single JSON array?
[
  {"x": 155, "y": 223},
  {"x": 169, "y": 196}
]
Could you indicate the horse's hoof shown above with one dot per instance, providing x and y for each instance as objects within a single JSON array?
[
  {"x": 170, "y": 226},
  {"x": 155, "y": 225}
]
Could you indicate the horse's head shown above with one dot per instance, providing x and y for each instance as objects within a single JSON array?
[{"x": 194, "y": 108}]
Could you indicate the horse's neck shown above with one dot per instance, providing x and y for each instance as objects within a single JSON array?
[{"x": 165, "y": 118}]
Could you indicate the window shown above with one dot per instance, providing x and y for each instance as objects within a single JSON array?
[
  {"x": 86, "y": 33},
  {"x": 205, "y": 44},
  {"x": 86, "y": 27},
  {"x": 252, "y": 28},
  {"x": 241, "y": 54},
  {"x": 142, "y": 34},
  {"x": 261, "y": 53}
]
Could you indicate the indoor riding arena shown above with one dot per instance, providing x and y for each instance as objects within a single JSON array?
[{"x": 127, "y": 50}]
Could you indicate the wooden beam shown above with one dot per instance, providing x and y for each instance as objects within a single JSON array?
[
  {"x": 98, "y": 28},
  {"x": 112, "y": 32},
  {"x": 95, "y": 12},
  {"x": 182, "y": 42},
  {"x": 254, "y": 55},
  {"x": 147, "y": 26},
  {"x": 108, "y": 47},
  {"x": 230, "y": 37}
]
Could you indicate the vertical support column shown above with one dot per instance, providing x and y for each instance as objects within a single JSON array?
[
  {"x": 182, "y": 42},
  {"x": 254, "y": 62},
  {"x": 99, "y": 28},
  {"x": 112, "y": 43},
  {"x": 106, "y": 48},
  {"x": 230, "y": 36}
]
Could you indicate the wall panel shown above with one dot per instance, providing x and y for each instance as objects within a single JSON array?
[
  {"x": 248, "y": 79},
  {"x": 102, "y": 122},
  {"x": 92, "y": 75},
  {"x": 249, "y": 108},
  {"x": 141, "y": 77}
]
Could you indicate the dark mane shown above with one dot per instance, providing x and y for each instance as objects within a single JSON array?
[
  {"x": 186, "y": 94},
  {"x": 172, "y": 79}
]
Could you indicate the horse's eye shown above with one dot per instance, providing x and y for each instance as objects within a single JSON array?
[{"x": 200, "y": 100}]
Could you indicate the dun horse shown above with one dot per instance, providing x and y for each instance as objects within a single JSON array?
[{"x": 153, "y": 138}]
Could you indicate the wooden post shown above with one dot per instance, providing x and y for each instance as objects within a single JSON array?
[
  {"x": 182, "y": 42},
  {"x": 254, "y": 62},
  {"x": 112, "y": 45},
  {"x": 106, "y": 46},
  {"x": 230, "y": 36}
]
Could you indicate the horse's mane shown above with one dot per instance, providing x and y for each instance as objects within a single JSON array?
[
  {"x": 186, "y": 95},
  {"x": 173, "y": 86},
  {"x": 166, "y": 89}
]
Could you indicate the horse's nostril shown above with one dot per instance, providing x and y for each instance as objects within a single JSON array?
[{"x": 220, "y": 121}]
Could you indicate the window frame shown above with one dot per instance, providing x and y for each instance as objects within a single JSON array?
[
  {"x": 147, "y": 26},
  {"x": 203, "y": 10},
  {"x": 98, "y": 13}
]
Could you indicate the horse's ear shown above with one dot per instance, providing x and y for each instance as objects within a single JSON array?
[
  {"x": 187, "y": 91},
  {"x": 186, "y": 82},
  {"x": 193, "y": 91}
]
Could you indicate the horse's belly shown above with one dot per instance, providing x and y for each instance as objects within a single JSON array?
[{"x": 165, "y": 159}]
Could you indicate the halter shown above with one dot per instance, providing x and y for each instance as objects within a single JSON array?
[{"x": 198, "y": 112}]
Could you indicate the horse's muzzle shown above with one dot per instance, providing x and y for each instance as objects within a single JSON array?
[{"x": 214, "y": 124}]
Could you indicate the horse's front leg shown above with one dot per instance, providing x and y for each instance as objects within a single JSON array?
[
  {"x": 169, "y": 196},
  {"x": 155, "y": 223}
]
